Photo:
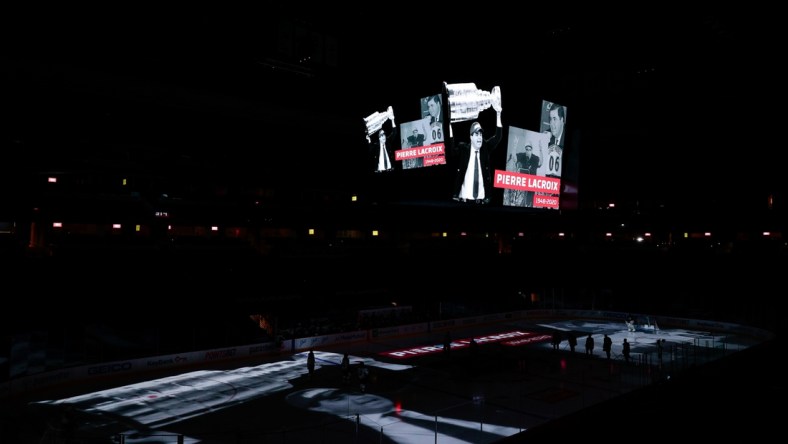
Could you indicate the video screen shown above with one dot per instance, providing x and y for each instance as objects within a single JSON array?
[
  {"x": 525, "y": 180},
  {"x": 473, "y": 146},
  {"x": 417, "y": 151},
  {"x": 464, "y": 129},
  {"x": 563, "y": 152},
  {"x": 422, "y": 140}
]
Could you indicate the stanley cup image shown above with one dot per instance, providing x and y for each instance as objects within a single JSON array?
[
  {"x": 376, "y": 120},
  {"x": 466, "y": 101}
]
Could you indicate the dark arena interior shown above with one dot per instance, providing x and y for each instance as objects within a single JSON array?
[{"x": 176, "y": 183}]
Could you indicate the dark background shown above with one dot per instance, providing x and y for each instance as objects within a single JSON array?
[
  {"x": 255, "y": 117},
  {"x": 676, "y": 116},
  {"x": 674, "y": 108}
]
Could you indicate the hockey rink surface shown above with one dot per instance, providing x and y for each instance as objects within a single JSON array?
[{"x": 417, "y": 392}]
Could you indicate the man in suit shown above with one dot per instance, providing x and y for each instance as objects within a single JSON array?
[
  {"x": 557, "y": 120},
  {"x": 434, "y": 120},
  {"x": 434, "y": 107},
  {"x": 528, "y": 163},
  {"x": 380, "y": 151},
  {"x": 557, "y": 115},
  {"x": 415, "y": 139},
  {"x": 473, "y": 178}
]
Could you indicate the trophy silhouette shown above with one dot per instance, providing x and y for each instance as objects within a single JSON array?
[
  {"x": 466, "y": 101},
  {"x": 376, "y": 120}
]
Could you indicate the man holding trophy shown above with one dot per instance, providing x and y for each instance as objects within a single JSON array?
[
  {"x": 379, "y": 150},
  {"x": 474, "y": 175}
]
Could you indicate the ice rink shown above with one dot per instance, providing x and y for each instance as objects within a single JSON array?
[{"x": 512, "y": 380}]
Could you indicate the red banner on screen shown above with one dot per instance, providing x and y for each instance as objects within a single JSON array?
[
  {"x": 527, "y": 182},
  {"x": 437, "y": 149},
  {"x": 508, "y": 338},
  {"x": 545, "y": 201}
]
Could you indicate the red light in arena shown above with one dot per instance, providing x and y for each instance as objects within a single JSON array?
[{"x": 511, "y": 338}]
